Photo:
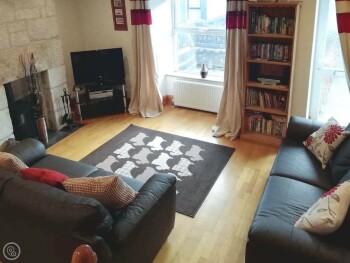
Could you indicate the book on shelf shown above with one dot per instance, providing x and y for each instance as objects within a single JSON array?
[
  {"x": 263, "y": 24},
  {"x": 268, "y": 51},
  {"x": 266, "y": 123},
  {"x": 279, "y": 125},
  {"x": 266, "y": 99}
]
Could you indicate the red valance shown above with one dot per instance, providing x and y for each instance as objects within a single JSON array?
[
  {"x": 141, "y": 17},
  {"x": 236, "y": 19},
  {"x": 343, "y": 20}
]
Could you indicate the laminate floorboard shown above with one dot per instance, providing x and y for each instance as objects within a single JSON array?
[{"x": 218, "y": 233}]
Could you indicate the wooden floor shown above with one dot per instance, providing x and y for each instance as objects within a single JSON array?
[{"x": 218, "y": 233}]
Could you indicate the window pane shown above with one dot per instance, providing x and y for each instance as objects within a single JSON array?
[
  {"x": 330, "y": 94},
  {"x": 199, "y": 35},
  {"x": 200, "y": 13},
  {"x": 335, "y": 97},
  {"x": 195, "y": 49},
  {"x": 194, "y": 3}
]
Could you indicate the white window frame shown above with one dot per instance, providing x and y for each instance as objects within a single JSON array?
[
  {"x": 318, "y": 54},
  {"x": 191, "y": 30}
]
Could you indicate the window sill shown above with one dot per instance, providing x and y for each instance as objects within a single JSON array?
[{"x": 217, "y": 79}]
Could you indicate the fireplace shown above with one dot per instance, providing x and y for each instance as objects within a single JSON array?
[{"x": 21, "y": 110}]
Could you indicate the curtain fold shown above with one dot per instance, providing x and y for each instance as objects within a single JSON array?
[
  {"x": 229, "y": 118},
  {"x": 343, "y": 20},
  {"x": 145, "y": 98}
]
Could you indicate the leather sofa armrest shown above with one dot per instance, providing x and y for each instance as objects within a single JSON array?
[
  {"x": 147, "y": 198},
  {"x": 299, "y": 129},
  {"x": 29, "y": 151}
]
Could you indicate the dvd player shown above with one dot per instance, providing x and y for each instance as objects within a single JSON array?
[{"x": 100, "y": 94}]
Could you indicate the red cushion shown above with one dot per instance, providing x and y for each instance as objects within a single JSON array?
[{"x": 45, "y": 176}]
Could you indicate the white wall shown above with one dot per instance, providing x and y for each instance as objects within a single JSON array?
[
  {"x": 70, "y": 33},
  {"x": 303, "y": 58},
  {"x": 98, "y": 32},
  {"x": 88, "y": 24}
]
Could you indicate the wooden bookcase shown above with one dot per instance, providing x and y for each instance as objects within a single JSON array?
[{"x": 271, "y": 43}]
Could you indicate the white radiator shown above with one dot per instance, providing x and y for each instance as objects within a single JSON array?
[{"x": 197, "y": 95}]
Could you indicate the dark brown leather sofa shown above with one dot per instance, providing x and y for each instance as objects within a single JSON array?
[
  {"x": 295, "y": 183},
  {"x": 48, "y": 223}
]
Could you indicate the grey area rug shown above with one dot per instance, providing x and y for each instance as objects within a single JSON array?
[{"x": 140, "y": 153}]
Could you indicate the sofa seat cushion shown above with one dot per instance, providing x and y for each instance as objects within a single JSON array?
[
  {"x": 70, "y": 168},
  {"x": 295, "y": 161},
  {"x": 287, "y": 199},
  {"x": 272, "y": 231}
]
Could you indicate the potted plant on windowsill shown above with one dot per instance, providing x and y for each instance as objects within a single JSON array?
[{"x": 34, "y": 90}]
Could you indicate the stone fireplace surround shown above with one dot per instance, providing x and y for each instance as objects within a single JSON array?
[{"x": 31, "y": 26}]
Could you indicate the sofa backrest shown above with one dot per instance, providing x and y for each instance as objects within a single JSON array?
[
  {"x": 28, "y": 150},
  {"x": 54, "y": 207},
  {"x": 339, "y": 165},
  {"x": 299, "y": 129}
]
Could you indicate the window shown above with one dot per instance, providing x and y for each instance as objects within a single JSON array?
[
  {"x": 199, "y": 35},
  {"x": 329, "y": 91}
]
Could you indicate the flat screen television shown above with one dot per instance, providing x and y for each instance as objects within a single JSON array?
[{"x": 98, "y": 66}]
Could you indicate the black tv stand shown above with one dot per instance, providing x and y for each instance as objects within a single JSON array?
[{"x": 94, "y": 100}]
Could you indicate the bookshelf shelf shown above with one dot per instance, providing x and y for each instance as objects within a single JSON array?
[
  {"x": 266, "y": 35},
  {"x": 255, "y": 84},
  {"x": 265, "y": 61},
  {"x": 271, "y": 42},
  {"x": 266, "y": 110}
]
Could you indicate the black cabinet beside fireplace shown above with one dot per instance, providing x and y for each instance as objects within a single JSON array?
[{"x": 21, "y": 111}]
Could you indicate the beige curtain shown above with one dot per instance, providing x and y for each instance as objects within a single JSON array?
[
  {"x": 343, "y": 19},
  {"x": 229, "y": 118},
  {"x": 145, "y": 98}
]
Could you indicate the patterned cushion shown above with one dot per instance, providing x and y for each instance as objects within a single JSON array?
[
  {"x": 10, "y": 162},
  {"x": 328, "y": 213},
  {"x": 45, "y": 176},
  {"x": 322, "y": 143},
  {"x": 111, "y": 191}
]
